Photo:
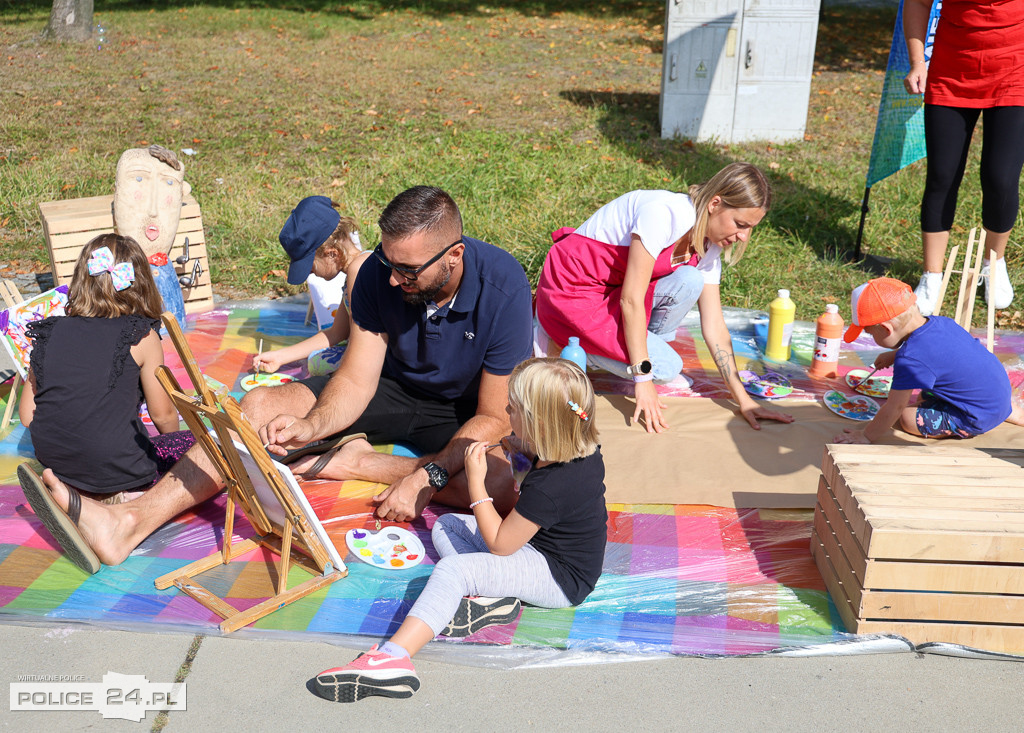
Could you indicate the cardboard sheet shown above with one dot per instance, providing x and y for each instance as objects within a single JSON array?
[{"x": 711, "y": 456}]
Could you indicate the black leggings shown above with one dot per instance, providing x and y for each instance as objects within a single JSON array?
[{"x": 947, "y": 134}]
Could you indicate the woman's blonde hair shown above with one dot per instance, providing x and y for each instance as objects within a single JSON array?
[
  {"x": 540, "y": 390},
  {"x": 95, "y": 296},
  {"x": 739, "y": 186}
]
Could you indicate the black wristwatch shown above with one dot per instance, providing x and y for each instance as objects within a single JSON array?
[
  {"x": 640, "y": 368},
  {"x": 438, "y": 476}
]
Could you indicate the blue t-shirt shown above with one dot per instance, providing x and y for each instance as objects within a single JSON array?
[
  {"x": 942, "y": 358},
  {"x": 489, "y": 325}
]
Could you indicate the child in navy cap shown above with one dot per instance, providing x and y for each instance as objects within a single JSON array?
[
  {"x": 321, "y": 242},
  {"x": 965, "y": 390}
]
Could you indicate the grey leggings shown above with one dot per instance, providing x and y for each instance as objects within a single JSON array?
[{"x": 468, "y": 568}]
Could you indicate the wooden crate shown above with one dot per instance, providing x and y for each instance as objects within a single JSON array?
[
  {"x": 924, "y": 541},
  {"x": 69, "y": 225}
]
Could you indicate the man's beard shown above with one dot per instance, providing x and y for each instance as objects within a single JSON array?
[{"x": 427, "y": 294}]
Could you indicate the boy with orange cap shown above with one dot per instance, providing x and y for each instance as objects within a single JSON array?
[{"x": 965, "y": 390}]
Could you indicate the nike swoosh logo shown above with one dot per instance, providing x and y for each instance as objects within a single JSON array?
[{"x": 378, "y": 662}]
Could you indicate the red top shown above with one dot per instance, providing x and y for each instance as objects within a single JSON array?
[{"x": 978, "y": 57}]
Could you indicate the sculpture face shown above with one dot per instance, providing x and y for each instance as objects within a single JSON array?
[{"x": 147, "y": 200}]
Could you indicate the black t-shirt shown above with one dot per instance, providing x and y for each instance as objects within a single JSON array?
[
  {"x": 567, "y": 501},
  {"x": 86, "y": 425}
]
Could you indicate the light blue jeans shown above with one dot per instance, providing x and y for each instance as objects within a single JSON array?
[
  {"x": 674, "y": 297},
  {"x": 468, "y": 568}
]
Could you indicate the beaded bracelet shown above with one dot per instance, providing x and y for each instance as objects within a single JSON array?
[{"x": 481, "y": 501}]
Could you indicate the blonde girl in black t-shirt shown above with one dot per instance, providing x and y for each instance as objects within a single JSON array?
[{"x": 548, "y": 551}]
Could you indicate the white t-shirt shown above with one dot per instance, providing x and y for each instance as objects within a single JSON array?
[
  {"x": 659, "y": 218},
  {"x": 326, "y": 296}
]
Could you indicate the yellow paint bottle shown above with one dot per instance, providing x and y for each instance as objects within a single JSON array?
[{"x": 781, "y": 313}]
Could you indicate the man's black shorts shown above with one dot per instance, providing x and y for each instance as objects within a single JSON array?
[{"x": 395, "y": 415}]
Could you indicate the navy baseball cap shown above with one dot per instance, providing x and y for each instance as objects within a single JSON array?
[{"x": 309, "y": 225}]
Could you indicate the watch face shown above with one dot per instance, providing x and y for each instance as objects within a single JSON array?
[
  {"x": 438, "y": 476},
  {"x": 645, "y": 367}
]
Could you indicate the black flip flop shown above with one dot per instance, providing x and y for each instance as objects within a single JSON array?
[
  {"x": 327, "y": 449},
  {"x": 62, "y": 525}
]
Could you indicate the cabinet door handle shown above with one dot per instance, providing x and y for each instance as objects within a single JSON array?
[{"x": 748, "y": 58}]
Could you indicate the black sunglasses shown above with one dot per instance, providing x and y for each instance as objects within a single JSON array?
[{"x": 410, "y": 273}]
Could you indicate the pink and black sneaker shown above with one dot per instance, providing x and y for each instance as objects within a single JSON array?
[{"x": 371, "y": 673}]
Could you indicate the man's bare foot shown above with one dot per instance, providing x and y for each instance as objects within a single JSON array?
[
  {"x": 343, "y": 464},
  {"x": 101, "y": 525}
]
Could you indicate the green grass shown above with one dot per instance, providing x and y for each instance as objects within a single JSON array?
[{"x": 532, "y": 115}]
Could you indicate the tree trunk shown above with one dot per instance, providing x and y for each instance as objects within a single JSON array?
[{"x": 70, "y": 21}]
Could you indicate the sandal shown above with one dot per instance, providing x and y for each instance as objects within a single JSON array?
[
  {"x": 327, "y": 449},
  {"x": 62, "y": 525}
]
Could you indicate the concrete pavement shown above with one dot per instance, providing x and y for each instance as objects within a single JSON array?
[{"x": 244, "y": 684}]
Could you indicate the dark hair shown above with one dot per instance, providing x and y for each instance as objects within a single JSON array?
[
  {"x": 94, "y": 295},
  {"x": 421, "y": 209}
]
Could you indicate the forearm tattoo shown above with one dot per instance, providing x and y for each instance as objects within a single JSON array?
[{"x": 724, "y": 362}]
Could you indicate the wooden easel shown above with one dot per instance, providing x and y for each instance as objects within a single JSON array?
[
  {"x": 970, "y": 277},
  {"x": 281, "y": 528},
  {"x": 11, "y": 296}
]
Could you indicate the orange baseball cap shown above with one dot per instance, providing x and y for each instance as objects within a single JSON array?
[{"x": 877, "y": 301}]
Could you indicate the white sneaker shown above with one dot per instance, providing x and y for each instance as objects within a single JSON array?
[
  {"x": 927, "y": 292},
  {"x": 997, "y": 287}
]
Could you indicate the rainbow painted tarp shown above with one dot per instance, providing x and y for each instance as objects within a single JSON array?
[{"x": 693, "y": 580}]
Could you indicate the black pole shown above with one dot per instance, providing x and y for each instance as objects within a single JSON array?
[{"x": 857, "y": 257}]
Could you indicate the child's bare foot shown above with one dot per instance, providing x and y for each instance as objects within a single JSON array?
[
  {"x": 101, "y": 525},
  {"x": 1017, "y": 416},
  {"x": 342, "y": 463}
]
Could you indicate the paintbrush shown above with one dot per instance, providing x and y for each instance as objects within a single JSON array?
[
  {"x": 865, "y": 379},
  {"x": 255, "y": 362}
]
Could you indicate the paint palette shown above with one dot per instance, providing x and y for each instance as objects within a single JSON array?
[
  {"x": 876, "y": 386},
  {"x": 393, "y": 548},
  {"x": 769, "y": 386},
  {"x": 853, "y": 407},
  {"x": 262, "y": 379}
]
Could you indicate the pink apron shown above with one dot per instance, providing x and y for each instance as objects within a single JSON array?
[{"x": 579, "y": 290}]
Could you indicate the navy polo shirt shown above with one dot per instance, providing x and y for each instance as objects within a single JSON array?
[{"x": 489, "y": 326}]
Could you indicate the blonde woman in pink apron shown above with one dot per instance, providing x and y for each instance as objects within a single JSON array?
[{"x": 624, "y": 280}]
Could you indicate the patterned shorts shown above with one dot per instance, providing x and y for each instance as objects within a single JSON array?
[{"x": 938, "y": 419}]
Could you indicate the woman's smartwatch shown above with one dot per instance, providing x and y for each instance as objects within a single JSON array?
[
  {"x": 641, "y": 368},
  {"x": 641, "y": 371},
  {"x": 437, "y": 475}
]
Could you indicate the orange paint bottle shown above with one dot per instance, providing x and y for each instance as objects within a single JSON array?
[{"x": 827, "y": 338}]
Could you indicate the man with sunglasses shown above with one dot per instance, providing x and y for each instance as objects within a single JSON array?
[{"x": 440, "y": 320}]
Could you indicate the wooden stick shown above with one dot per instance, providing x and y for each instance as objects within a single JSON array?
[
  {"x": 259, "y": 353},
  {"x": 945, "y": 278},
  {"x": 973, "y": 283},
  {"x": 958, "y": 312},
  {"x": 991, "y": 335}
]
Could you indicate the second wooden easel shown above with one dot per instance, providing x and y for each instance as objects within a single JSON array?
[{"x": 970, "y": 276}]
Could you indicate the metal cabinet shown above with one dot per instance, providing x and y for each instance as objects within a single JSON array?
[{"x": 737, "y": 70}]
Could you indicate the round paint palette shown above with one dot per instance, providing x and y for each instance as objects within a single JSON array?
[
  {"x": 393, "y": 548},
  {"x": 769, "y": 386},
  {"x": 853, "y": 407},
  {"x": 262, "y": 379},
  {"x": 876, "y": 386}
]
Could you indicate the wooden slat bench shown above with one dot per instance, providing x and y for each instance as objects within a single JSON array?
[
  {"x": 69, "y": 225},
  {"x": 924, "y": 541}
]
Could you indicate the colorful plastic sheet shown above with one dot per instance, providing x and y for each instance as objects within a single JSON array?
[{"x": 692, "y": 580}]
